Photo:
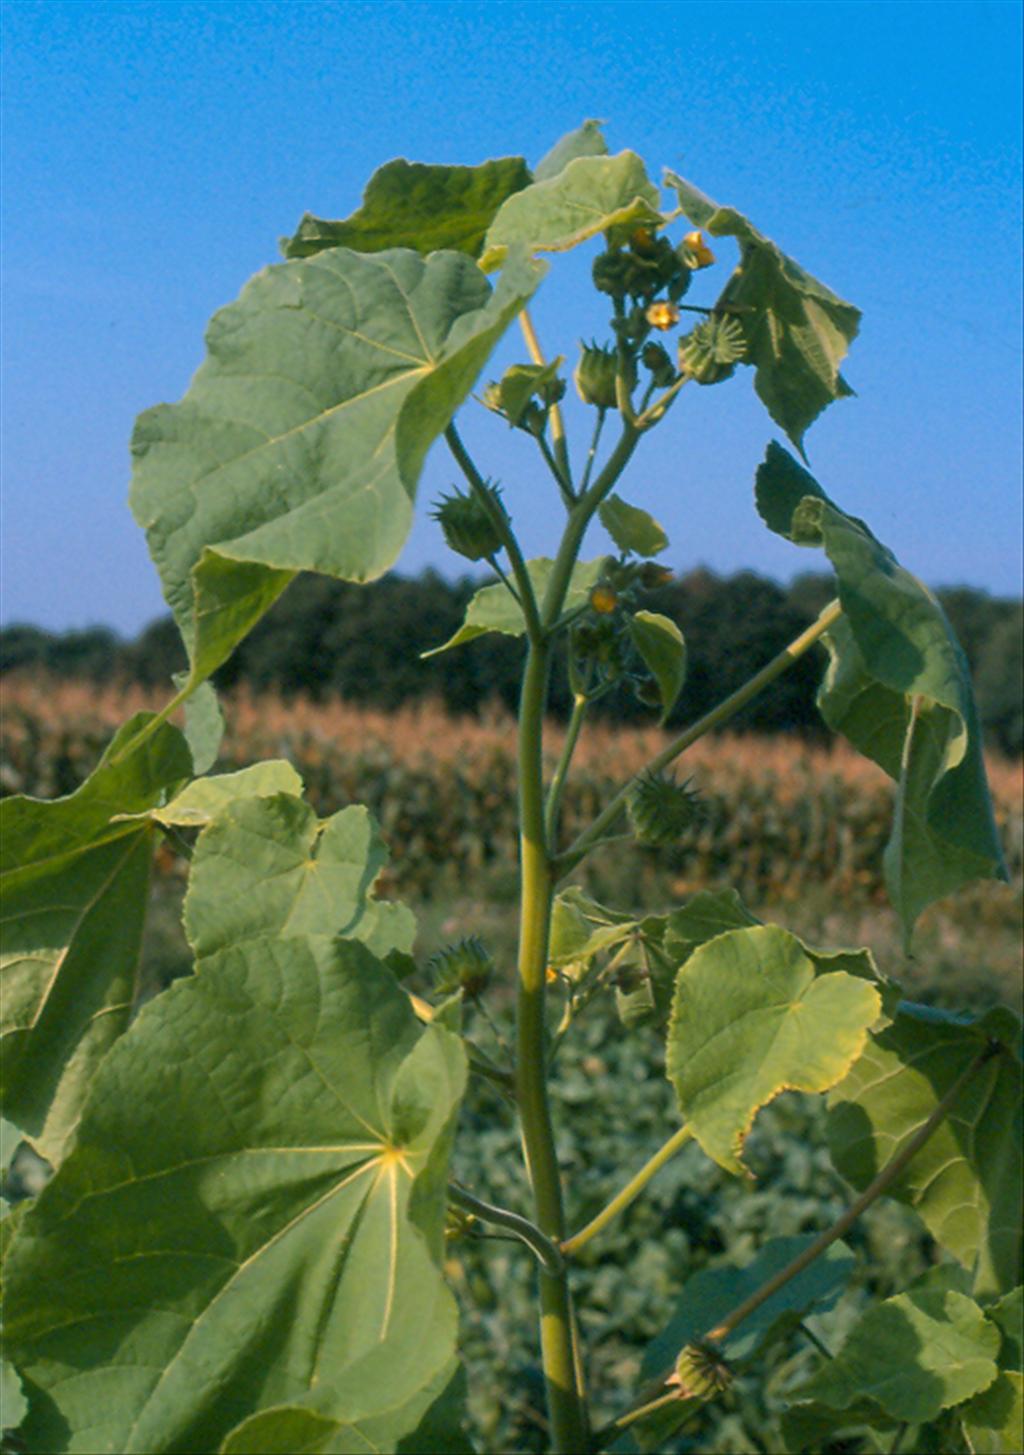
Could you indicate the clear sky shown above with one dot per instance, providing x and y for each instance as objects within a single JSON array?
[{"x": 155, "y": 152}]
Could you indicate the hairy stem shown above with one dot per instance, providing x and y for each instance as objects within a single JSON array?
[
  {"x": 527, "y": 600},
  {"x": 547, "y": 1253},
  {"x": 629, "y": 1193},
  {"x": 713, "y": 719}
]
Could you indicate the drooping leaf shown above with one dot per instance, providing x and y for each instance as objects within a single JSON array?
[
  {"x": 916, "y": 1355},
  {"x": 74, "y": 878},
  {"x": 204, "y": 724},
  {"x": 965, "y": 1182},
  {"x": 994, "y": 1420},
  {"x": 203, "y": 798},
  {"x": 797, "y": 332},
  {"x": 581, "y": 928},
  {"x": 663, "y": 650},
  {"x": 591, "y": 195},
  {"x": 712, "y": 1293},
  {"x": 494, "y": 609},
  {"x": 585, "y": 141},
  {"x": 417, "y": 205},
  {"x": 631, "y": 528},
  {"x": 254, "y": 1207},
  {"x": 301, "y": 439},
  {"x": 815, "y": 1426},
  {"x": 269, "y": 866},
  {"x": 752, "y": 1017},
  {"x": 899, "y": 688},
  {"x": 13, "y": 1404},
  {"x": 431, "y": 1420}
]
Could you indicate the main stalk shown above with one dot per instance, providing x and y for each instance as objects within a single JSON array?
[{"x": 562, "y": 1370}]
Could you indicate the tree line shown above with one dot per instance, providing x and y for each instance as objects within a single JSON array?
[{"x": 329, "y": 638}]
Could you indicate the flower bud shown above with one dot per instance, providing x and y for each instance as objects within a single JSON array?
[
  {"x": 491, "y": 397},
  {"x": 694, "y": 252},
  {"x": 662, "y": 316},
  {"x": 595, "y": 376},
  {"x": 604, "y": 599},
  {"x": 651, "y": 575},
  {"x": 467, "y": 525},
  {"x": 611, "y": 273}
]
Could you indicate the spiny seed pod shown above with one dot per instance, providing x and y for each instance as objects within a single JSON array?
[
  {"x": 467, "y": 525},
  {"x": 656, "y": 358},
  {"x": 662, "y": 810},
  {"x": 662, "y": 316},
  {"x": 701, "y": 1372},
  {"x": 465, "y": 966},
  {"x": 595, "y": 376},
  {"x": 552, "y": 390},
  {"x": 604, "y": 599},
  {"x": 711, "y": 352}
]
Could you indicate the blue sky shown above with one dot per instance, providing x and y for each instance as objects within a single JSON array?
[{"x": 154, "y": 154}]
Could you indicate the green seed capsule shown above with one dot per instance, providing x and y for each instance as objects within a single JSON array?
[{"x": 467, "y": 525}]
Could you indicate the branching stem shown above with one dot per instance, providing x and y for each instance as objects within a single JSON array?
[
  {"x": 561, "y": 773},
  {"x": 629, "y": 1193},
  {"x": 547, "y": 1253},
  {"x": 713, "y": 719},
  {"x": 558, "y": 440}
]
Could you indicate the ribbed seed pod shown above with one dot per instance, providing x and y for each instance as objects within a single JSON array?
[
  {"x": 662, "y": 810},
  {"x": 701, "y": 1371},
  {"x": 465, "y": 966},
  {"x": 467, "y": 525}
]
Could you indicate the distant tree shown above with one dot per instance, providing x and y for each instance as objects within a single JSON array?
[
  {"x": 1000, "y": 684},
  {"x": 24, "y": 647},
  {"x": 155, "y": 654}
]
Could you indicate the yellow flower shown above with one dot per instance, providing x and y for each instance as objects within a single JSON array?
[
  {"x": 603, "y": 600},
  {"x": 699, "y": 254},
  {"x": 663, "y": 315}
]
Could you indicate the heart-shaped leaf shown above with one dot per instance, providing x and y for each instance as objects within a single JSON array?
[
  {"x": 301, "y": 440},
  {"x": 632, "y": 529},
  {"x": 752, "y": 1016}
]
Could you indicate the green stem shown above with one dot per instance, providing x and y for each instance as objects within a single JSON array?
[
  {"x": 595, "y": 440},
  {"x": 527, "y": 600},
  {"x": 812, "y": 1338},
  {"x": 629, "y": 1193},
  {"x": 148, "y": 729},
  {"x": 547, "y": 1253},
  {"x": 654, "y": 412},
  {"x": 558, "y": 439},
  {"x": 561, "y": 773},
  {"x": 565, "y": 1393},
  {"x": 713, "y": 719}
]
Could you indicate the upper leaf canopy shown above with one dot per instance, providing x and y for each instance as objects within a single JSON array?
[
  {"x": 417, "y": 205},
  {"x": 300, "y": 441},
  {"x": 591, "y": 195},
  {"x": 797, "y": 332}
]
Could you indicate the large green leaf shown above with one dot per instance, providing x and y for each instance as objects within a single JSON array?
[
  {"x": 417, "y": 205},
  {"x": 301, "y": 439},
  {"x": 254, "y": 1207},
  {"x": 270, "y": 866},
  {"x": 965, "y": 1182},
  {"x": 495, "y": 609},
  {"x": 916, "y": 1355},
  {"x": 586, "y": 141},
  {"x": 797, "y": 332},
  {"x": 899, "y": 688},
  {"x": 591, "y": 195},
  {"x": 431, "y": 1420},
  {"x": 753, "y": 1016},
  {"x": 74, "y": 878},
  {"x": 994, "y": 1420}
]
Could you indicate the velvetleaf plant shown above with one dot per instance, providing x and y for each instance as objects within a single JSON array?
[{"x": 240, "y": 1249}]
